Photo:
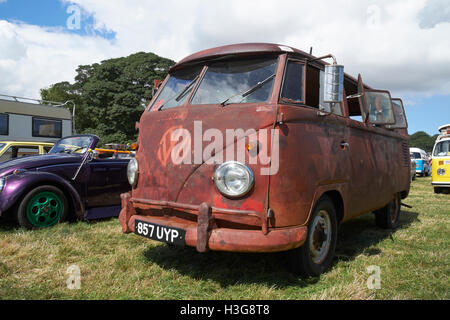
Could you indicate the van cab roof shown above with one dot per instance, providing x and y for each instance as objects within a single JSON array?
[
  {"x": 416, "y": 150},
  {"x": 249, "y": 49}
]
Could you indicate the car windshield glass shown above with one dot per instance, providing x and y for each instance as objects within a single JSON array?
[
  {"x": 1, "y": 145},
  {"x": 72, "y": 145},
  {"x": 442, "y": 149},
  {"x": 415, "y": 155},
  {"x": 177, "y": 88},
  {"x": 237, "y": 81}
]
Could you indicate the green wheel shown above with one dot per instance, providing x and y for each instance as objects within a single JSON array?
[{"x": 42, "y": 207}]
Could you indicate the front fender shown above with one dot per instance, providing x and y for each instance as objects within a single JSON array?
[{"x": 17, "y": 185}]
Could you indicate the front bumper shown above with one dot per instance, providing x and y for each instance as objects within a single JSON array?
[
  {"x": 203, "y": 232},
  {"x": 441, "y": 184}
]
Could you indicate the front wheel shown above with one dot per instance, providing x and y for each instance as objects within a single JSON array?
[
  {"x": 42, "y": 207},
  {"x": 314, "y": 257}
]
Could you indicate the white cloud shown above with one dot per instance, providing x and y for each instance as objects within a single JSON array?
[
  {"x": 396, "y": 45},
  {"x": 32, "y": 57}
]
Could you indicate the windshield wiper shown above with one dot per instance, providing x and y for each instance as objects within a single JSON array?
[
  {"x": 183, "y": 92},
  {"x": 249, "y": 91}
]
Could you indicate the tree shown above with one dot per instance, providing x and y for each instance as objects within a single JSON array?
[
  {"x": 111, "y": 95},
  {"x": 422, "y": 140}
]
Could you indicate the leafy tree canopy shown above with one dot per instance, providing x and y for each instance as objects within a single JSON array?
[
  {"x": 111, "y": 95},
  {"x": 422, "y": 140}
]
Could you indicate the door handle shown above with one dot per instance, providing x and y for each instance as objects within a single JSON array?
[{"x": 344, "y": 145}]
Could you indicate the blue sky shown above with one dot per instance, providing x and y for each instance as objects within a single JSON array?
[
  {"x": 428, "y": 114},
  {"x": 49, "y": 13},
  {"x": 41, "y": 49}
]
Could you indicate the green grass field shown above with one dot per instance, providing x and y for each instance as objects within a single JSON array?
[{"x": 414, "y": 262}]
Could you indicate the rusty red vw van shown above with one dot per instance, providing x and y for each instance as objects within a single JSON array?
[{"x": 263, "y": 148}]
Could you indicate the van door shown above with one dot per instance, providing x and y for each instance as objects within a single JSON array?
[
  {"x": 371, "y": 152},
  {"x": 313, "y": 152}
]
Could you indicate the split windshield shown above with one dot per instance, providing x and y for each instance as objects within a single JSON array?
[
  {"x": 177, "y": 88},
  {"x": 225, "y": 82},
  {"x": 72, "y": 145},
  {"x": 237, "y": 82},
  {"x": 442, "y": 149}
]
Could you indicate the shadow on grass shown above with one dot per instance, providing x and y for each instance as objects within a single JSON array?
[
  {"x": 361, "y": 236},
  {"x": 228, "y": 268},
  {"x": 355, "y": 237},
  {"x": 8, "y": 224}
]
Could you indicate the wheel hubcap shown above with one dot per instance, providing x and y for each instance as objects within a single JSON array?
[
  {"x": 320, "y": 237},
  {"x": 44, "y": 209}
]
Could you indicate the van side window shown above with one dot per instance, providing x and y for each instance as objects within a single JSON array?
[
  {"x": 293, "y": 82},
  {"x": 400, "y": 116},
  {"x": 379, "y": 105},
  {"x": 4, "y": 119},
  {"x": 354, "y": 108},
  {"x": 312, "y": 90},
  {"x": 47, "y": 128}
]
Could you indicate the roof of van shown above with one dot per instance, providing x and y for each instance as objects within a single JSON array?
[
  {"x": 245, "y": 49},
  {"x": 34, "y": 109},
  {"x": 416, "y": 150},
  {"x": 241, "y": 48}
]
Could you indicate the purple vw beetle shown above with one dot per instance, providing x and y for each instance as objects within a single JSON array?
[{"x": 71, "y": 181}]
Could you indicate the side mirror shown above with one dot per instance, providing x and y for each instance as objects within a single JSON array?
[{"x": 333, "y": 83}]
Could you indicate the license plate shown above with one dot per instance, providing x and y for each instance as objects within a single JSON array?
[
  {"x": 161, "y": 233},
  {"x": 446, "y": 161}
]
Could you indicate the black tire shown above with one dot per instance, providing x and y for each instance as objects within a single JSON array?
[
  {"x": 53, "y": 212},
  {"x": 437, "y": 190},
  {"x": 388, "y": 217},
  {"x": 302, "y": 261}
]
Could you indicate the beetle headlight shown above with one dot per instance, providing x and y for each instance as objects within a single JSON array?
[
  {"x": 233, "y": 179},
  {"x": 2, "y": 183},
  {"x": 132, "y": 172},
  {"x": 441, "y": 171}
]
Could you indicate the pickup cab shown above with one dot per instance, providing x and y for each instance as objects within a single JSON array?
[{"x": 262, "y": 147}]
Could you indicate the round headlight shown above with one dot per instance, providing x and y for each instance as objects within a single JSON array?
[
  {"x": 441, "y": 171},
  {"x": 132, "y": 172},
  {"x": 233, "y": 179}
]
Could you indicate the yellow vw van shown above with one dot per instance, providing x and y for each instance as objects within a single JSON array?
[{"x": 441, "y": 160}]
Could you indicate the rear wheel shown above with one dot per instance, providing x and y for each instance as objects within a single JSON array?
[
  {"x": 42, "y": 207},
  {"x": 387, "y": 217},
  {"x": 315, "y": 256}
]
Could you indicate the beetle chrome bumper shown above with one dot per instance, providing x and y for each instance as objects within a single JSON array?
[{"x": 204, "y": 235}]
